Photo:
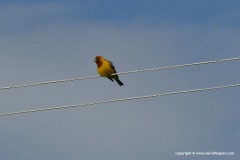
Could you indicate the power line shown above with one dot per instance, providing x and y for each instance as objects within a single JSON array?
[
  {"x": 123, "y": 99},
  {"x": 128, "y": 72},
  {"x": 181, "y": 65},
  {"x": 49, "y": 82}
]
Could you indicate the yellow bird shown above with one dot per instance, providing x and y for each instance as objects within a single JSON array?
[{"x": 106, "y": 69}]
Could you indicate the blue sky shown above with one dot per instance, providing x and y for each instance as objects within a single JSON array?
[
  {"x": 51, "y": 40},
  {"x": 200, "y": 13}
]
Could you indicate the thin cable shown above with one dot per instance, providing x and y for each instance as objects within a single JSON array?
[
  {"x": 180, "y": 66},
  {"x": 49, "y": 82},
  {"x": 128, "y": 72},
  {"x": 123, "y": 99}
]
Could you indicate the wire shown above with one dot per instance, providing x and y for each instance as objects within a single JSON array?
[
  {"x": 120, "y": 73},
  {"x": 123, "y": 99},
  {"x": 180, "y": 66},
  {"x": 49, "y": 82}
]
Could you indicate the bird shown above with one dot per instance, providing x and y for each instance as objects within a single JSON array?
[{"x": 105, "y": 68}]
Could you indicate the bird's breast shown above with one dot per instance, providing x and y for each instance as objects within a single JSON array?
[{"x": 105, "y": 70}]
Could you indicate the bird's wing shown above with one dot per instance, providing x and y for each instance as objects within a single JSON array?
[{"x": 112, "y": 66}]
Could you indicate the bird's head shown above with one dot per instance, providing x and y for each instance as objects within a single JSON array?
[{"x": 99, "y": 60}]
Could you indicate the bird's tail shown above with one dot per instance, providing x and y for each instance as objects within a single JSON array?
[{"x": 119, "y": 82}]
